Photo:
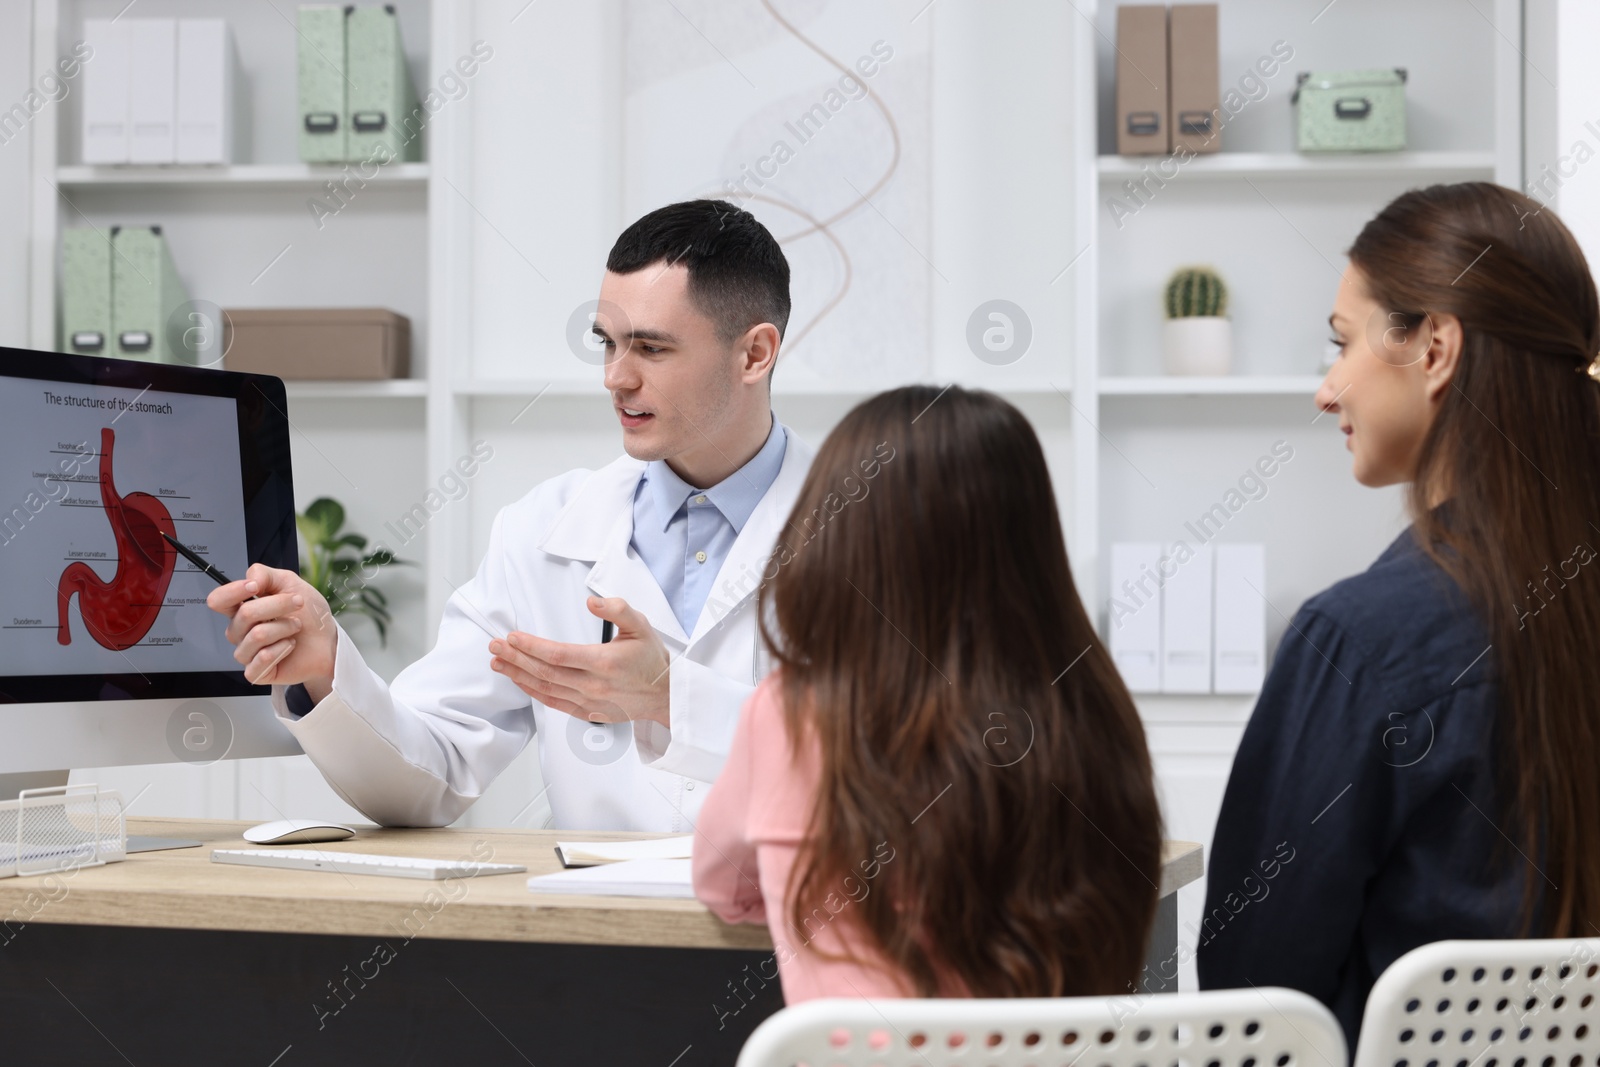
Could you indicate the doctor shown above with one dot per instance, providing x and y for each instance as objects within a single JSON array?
[{"x": 664, "y": 547}]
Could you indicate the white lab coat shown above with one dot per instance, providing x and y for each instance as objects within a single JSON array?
[{"x": 420, "y": 751}]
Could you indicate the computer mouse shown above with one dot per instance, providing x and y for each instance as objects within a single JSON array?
[{"x": 296, "y": 832}]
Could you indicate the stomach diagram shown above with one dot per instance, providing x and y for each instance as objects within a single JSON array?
[{"x": 120, "y": 612}]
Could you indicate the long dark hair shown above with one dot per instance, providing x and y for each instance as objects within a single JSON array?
[
  {"x": 1515, "y": 447},
  {"x": 969, "y": 720}
]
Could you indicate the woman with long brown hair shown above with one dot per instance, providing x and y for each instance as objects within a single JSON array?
[
  {"x": 944, "y": 789},
  {"x": 1425, "y": 747}
]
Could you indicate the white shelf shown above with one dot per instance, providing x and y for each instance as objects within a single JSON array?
[
  {"x": 1456, "y": 166},
  {"x": 518, "y": 387},
  {"x": 1228, "y": 385},
  {"x": 1228, "y": 710},
  {"x": 862, "y": 390},
  {"x": 527, "y": 387},
  {"x": 387, "y": 389},
  {"x": 240, "y": 176}
]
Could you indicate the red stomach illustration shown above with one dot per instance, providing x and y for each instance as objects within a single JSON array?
[{"x": 120, "y": 612}]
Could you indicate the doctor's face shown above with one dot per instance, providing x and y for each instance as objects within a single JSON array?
[{"x": 675, "y": 386}]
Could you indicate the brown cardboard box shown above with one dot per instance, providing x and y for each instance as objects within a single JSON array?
[
  {"x": 1195, "y": 98},
  {"x": 321, "y": 343},
  {"x": 1143, "y": 126}
]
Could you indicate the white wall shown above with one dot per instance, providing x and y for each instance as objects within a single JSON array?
[{"x": 1576, "y": 150}]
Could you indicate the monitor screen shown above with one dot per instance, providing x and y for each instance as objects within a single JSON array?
[{"x": 104, "y": 465}]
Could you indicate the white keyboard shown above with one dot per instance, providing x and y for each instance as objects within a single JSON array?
[{"x": 303, "y": 859}]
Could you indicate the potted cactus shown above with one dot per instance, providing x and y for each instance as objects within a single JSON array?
[{"x": 1198, "y": 338}]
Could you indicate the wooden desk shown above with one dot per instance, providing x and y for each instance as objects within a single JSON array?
[{"x": 168, "y": 958}]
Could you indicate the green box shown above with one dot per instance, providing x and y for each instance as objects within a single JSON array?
[
  {"x": 1350, "y": 111},
  {"x": 380, "y": 103},
  {"x": 146, "y": 293},
  {"x": 86, "y": 292},
  {"x": 322, "y": 83}
]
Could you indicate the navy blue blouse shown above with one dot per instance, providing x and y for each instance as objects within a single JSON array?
[{"x": 1361, "y": 819}]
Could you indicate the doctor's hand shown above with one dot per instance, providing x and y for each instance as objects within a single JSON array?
[
  {"x": 286, "y": 635},
  {"x": 622, "y": 680}
]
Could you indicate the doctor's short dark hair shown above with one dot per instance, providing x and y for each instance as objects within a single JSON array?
[{"x": 738, "y": 275}]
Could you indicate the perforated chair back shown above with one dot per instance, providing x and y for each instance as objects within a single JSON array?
[
  {"x": 1486, "y": 1004},
  {"x": 1226, "y": 1028}
]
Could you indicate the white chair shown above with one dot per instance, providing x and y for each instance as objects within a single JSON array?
[
  {"x": 1228, "y": 1028},
  {"x": 1486, "y": 1004}
]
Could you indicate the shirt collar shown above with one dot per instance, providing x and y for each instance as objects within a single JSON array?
[{"x": 736, "y": 496}]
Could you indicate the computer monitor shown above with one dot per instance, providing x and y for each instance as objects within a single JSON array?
[{"x": 108, "y": 653}]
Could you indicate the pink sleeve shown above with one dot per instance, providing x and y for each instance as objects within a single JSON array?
[{"x": 726, "y": 878}]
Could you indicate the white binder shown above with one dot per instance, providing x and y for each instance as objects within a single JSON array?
[
  {"x": 1186, "y": 626},
  {"x": 104, "y": 129},
  {"x": 1134, "y": 615},
  {"x": 205, "y": 74},
  {"x": 152, "y": 90},
  {"x": 1241, "y": 618}
]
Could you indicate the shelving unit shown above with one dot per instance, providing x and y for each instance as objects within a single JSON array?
[
  {"x": 519, "y": 387},
  {"x": 1276, "y": 224},
  {"x": 391, "y": 389},
  {"x": 240, "y": 176},
  {"x": 1433, "y": 166},
  {"x": 243, "y": 236},
  {"x": 1229, "y": 385},
  {"x": 500, "y": 237}
]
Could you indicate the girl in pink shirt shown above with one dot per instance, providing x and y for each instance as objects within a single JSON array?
[{"x": 944, "y": 790}]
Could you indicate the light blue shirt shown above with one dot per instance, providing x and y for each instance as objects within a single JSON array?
[{"x": 684, "y": 534}]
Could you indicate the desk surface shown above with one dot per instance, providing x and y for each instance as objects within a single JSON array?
[{"x": 183, "y": 889}]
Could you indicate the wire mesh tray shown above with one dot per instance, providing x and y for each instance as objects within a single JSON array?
[{"x": 60, "y": 828}]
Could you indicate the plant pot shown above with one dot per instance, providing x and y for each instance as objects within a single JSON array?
[{"x": 1199, "y": 345}]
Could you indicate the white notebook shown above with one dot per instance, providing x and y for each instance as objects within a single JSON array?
[
  {"x": 629, "y": 878},
  {"x": 594, "y": 853}
]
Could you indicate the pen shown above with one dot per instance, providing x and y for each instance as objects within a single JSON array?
[
  {"x": 605, "y": 631},
  {"x": 193, "y": 557}
]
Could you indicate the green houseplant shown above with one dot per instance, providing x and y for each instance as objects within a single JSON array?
[
  {"x": 338, "y": 566},
  {"x": 1198, "y": 337}
]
